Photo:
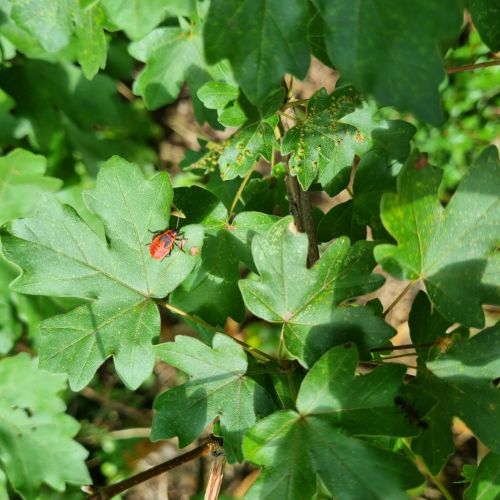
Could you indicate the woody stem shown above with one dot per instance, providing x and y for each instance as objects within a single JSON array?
[
  {"x": 300, "y": 208},
  {"x": 106, "y": 492}
]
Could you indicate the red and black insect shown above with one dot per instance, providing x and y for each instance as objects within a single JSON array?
[{"x": 163, "y": 242}]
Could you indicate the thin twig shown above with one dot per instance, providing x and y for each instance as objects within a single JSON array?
[
  {"x": 402, "y": 346},
  {"x": 365, "y": 366},
  {"x": 125, "y": 91},
  {"x": 139, "y": 432},
  {"x": 240, "y": 190},
  {"x": 252, "y": 350},
  {"x": 471, "y": 67},
  {"x": 382, "y": 362},
  {"x": 214, "y": 481},
  {"x": 106, "y": 492},
  {"x": 293, "y": 104},
  {"x": 398, "y": 298},
  {"x": 396, "y": 356},
  {"x": 281, "y": 344}
]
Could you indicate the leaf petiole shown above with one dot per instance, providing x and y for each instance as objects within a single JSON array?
[
  {"x": 252, "y": 350},
  {"x": 398, "y": 298},
  {"x": 419, "y": 461},
  {"x": 240, "y": 191}
]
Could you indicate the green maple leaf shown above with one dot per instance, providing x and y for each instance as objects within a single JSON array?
[
  {"x": 61, "y": 256},
  {"x": 217, "y": 387},
  {"x": 243, "y": 148},
  {"x": 460, "y": 381},
  {"x": 8, "y": 123},
  {"x": 172, "y": 56},
  {"x": 53, "y": 24},
  {"x": 10, "y": 327},
  {"x": 377, "y": 48},
  {"x": 88, "y": 116},
  {"x": 263, "y": 40},
  {"x": 242, "y": 230},
  {"x": 454, "y": 250},
  {"x": 219, "y": 95},
  {"x": 486, "y": 15},
  {"x": 295, "y": 446},
  {"x": 485, "y": 482},
  {"x": 22, "y": 40},
  {"x": 375, "y": 174},
  {"x": 22, "y": 182},
  {"x": 35, "y": 433},
  {"x": 21, "y": 313},
  {"x": 323, "y": 146},
  {"x": 47, "y": 20},
  {"x": 211, "y": 290},
  {"x": 299, "y": 298},
  {"x": 89, "y": 30},
  {"x": 427, "y": 327},
  {"x": 138, "y": 18}
]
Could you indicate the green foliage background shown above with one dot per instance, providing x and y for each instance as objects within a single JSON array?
[{"x": 299, "y": 381}]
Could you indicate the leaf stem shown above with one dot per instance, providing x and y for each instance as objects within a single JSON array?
[
  {"x": 188, "y": 316},
  {"x": 239, "y": 192},
  {"x": 398, "y": 298},
  {"x": 406, "y": 354},
  {"x": 382, "y": 362},
  {"x": 282, "y": 343},
  {"x": 106, "y": 492},
  {"x": 132, "y": 433},
  {"x": 420, "y": 461},
  {"x": 213, "y": 329},
  {"x": 471, "y": 67},
  {"x": 293, "y": 104},
  {"x": 402, "y": 346}
]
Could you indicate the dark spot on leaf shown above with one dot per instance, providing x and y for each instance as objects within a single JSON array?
[{"x": 412, "y": 414}]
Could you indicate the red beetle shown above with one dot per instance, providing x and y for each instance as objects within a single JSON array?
[{"x": 163, "y": 243}]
